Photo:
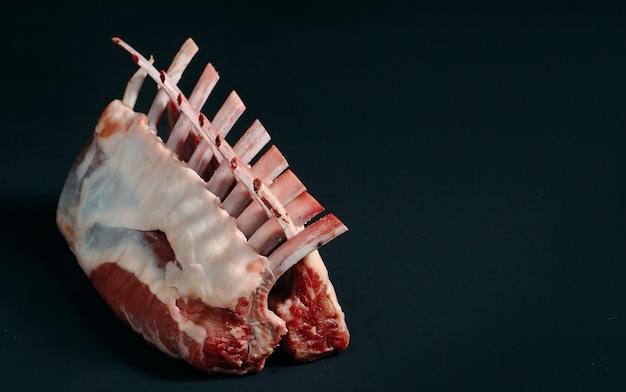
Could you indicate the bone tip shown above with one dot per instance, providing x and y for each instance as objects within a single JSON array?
[{"x": 190, "y": 41}]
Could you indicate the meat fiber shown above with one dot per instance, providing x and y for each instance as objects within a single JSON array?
[{"x": 204, "y": 254}]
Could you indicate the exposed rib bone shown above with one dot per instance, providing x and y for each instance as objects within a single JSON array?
[
  {"x": 252, "y": 141},
  {"x": 198, "y": 97},
  {"x": 134, "y": 86},
  {"x": 223, "y": 122},
  {"x": 175, "y": 71},
  {"x": 311, "y": 238},
  {"x": 303, "y": 208},
  {"x": 269, "y": 235},
  {"x": 267, "y": 168},
  {"x": 286, "y": 188}
]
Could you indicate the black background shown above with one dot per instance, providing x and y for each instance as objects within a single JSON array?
[{"x": 476, "y": 152}]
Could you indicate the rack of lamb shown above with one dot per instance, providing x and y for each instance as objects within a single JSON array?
[{"x": 204, "y": 248}]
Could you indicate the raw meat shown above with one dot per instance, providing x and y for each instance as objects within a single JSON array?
[{"x": 186, "y": 240}]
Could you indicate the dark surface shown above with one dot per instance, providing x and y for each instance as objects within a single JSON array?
[{"x": 476, "y": 153}]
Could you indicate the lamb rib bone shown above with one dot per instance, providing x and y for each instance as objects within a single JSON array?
[{"x": 198, "y": 97}]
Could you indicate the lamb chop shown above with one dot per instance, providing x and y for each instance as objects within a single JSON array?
[{"x": 211, "y": 258}]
